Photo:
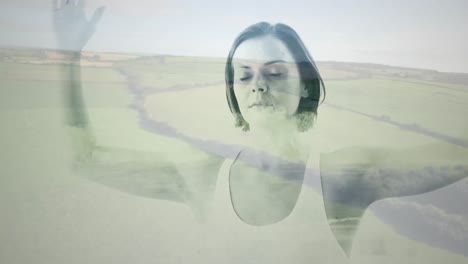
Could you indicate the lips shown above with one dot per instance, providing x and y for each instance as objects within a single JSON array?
[{"x": 260, "y": 104}]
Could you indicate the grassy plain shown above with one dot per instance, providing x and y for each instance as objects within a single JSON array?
[{"x": 48, "y": 213}]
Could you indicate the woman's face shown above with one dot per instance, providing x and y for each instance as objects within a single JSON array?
[{"x": 266, "y": 79}]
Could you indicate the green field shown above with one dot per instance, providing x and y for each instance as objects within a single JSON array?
[{"x": 48, "y": 213}]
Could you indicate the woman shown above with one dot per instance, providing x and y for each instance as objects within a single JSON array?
[{"x": 273, "y": 89}]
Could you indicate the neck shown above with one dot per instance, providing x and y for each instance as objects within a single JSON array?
[{"x": 285, "y": 143}]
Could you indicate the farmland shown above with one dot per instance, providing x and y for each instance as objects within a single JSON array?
[{"x": 177, "y": 104}]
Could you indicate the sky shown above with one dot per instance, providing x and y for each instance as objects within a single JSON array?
[{"x": 416, "y": 33}]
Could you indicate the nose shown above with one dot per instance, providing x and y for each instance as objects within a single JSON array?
[{"x": 260, "y": 86}]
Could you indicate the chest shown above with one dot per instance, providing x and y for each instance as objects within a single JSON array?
[
  {"x": 300, "y": 235},
  {"x": 264, "y": 193}
]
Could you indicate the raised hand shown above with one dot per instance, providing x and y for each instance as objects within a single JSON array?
[{"x": 72, "y": 28}]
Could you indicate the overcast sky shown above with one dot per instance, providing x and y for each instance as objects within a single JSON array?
[{"x": 419, "y": 33}]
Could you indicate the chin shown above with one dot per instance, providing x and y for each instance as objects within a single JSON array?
[{"x": 270, "y": 119}]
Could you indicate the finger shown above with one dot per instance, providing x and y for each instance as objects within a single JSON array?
[{"x": 97, "y": 15}]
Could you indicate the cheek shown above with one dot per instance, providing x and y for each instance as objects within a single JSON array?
[
  {"x": 242, "y": 95},
  {"x": 288, "y": 101},
  {"x": 288, "y": 94},
  {"x": 290, "y": 86}
]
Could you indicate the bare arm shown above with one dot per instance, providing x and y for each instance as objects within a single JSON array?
[
  {"x": 354, "y": 178},
  {"x": 73, "y": 30},
  {"x": 382, "y": 173},
  {"x": 147, "y": 174}
]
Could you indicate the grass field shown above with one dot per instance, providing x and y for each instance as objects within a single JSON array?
[{"x": 49, "y": 214}]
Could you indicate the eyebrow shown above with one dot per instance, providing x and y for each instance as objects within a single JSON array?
[
  {"x": 265, "y": 64},
  {"x": 273, "y": 62}
]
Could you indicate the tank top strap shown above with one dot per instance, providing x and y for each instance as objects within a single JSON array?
[
  {"x": 312, "y": 173},
  {"x": 222, "y": 205},
  {"x": 309, "y": 205}
]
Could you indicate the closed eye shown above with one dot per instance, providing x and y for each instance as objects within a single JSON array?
[
  {"x": 246, "y": 78},
  {"x": 276, "y": 75},
  {"x": 246, "y": 75},
  {"x": 275, "y": 71}
]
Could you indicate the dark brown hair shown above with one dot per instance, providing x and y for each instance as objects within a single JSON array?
[{"x": 309, "y": 74}]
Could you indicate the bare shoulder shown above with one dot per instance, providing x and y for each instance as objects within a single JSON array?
[
  {"x": 370, "y": 174},
  {"x": 352, "y": 156},
  {"x": 200, "y": 173},
  {"x": 347, "y": 175}
]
